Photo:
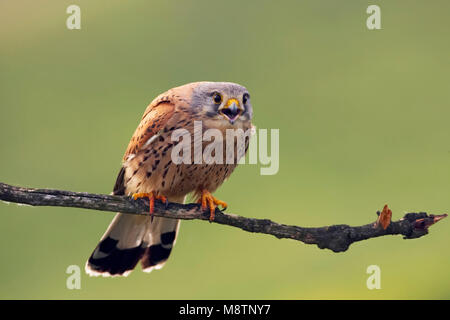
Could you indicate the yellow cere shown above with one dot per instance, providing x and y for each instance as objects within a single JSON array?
[{"x": 230, "y": 101}]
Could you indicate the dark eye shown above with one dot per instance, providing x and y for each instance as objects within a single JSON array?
[
  {"x": 217, "y": 97},
  {"x": 245, "y": 98}
]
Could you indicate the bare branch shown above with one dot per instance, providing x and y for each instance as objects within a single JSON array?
[{"x": 337, "y": 238}]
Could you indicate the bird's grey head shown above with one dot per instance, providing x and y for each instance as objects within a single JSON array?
[{"x": 223, "y": 101}]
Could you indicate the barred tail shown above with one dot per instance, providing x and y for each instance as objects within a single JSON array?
[{"x": 130, "y": 239}]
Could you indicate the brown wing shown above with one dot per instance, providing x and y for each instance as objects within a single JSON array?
[
  {"x": 119, "y": 187},
  {"x": 154, "y": 120}
]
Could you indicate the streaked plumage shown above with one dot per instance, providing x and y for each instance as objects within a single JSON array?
[{"x": 148, "y": 167}]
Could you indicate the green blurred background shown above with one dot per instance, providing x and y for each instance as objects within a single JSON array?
[{"x": 363, "y": 118}]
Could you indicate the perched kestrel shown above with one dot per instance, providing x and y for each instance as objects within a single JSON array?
[{"x": 148, "y": 170}]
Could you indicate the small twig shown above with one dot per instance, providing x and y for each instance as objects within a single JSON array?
[{"x": 337, "y": 238}]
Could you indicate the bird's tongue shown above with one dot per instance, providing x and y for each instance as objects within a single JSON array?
[{"x": 231, "y": 113}]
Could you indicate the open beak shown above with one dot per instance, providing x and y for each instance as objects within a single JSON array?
[{"x": 231, "y": 110}]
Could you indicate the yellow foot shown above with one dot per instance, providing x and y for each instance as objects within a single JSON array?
[
  {"x": 151, "y": 197},
  {"x": 208, "y": 201}
]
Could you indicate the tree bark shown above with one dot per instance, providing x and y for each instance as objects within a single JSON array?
[{"x": 337, "y": 238}]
